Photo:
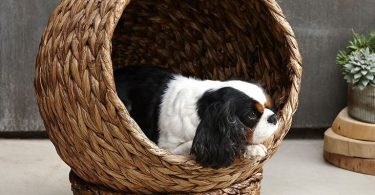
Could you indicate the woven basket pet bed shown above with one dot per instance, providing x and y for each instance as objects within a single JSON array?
[{"x": 209, "y": 39}]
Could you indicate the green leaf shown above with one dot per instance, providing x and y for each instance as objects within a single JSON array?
[
  {"x": 365, "y": 82},
  {"x": 371, "y": 57},
  {"x": 348, "y": 66},
  {"x": 363, "y": 72},
  {"x": 355, "y": 70},
  {"x": 342, "y": 58},
  {"x": 357, "y": 76},
  {"x": 348, "y": 78},
  {"x": 359, "y": 42},
  {"x": 370, "y": 77}
]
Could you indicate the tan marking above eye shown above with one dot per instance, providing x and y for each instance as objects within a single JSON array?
[
  {"x": 268, "y": 103},
  {"x": 259, "y": 107}
]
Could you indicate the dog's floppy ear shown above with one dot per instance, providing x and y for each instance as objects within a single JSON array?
[{"x": 218, "y": 139}]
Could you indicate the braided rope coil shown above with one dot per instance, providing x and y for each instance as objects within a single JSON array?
[{"x": 89, "y": 125}]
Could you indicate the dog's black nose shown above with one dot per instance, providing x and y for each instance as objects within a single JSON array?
[{"x": 272, "y": 119}]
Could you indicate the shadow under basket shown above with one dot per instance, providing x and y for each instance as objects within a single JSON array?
[{"x": 209, "y": 39}]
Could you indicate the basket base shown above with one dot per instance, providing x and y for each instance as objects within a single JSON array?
[{"x": 250, "y": 186}]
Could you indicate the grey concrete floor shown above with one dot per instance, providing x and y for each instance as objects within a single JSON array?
[{"x": 33, "y": 167}]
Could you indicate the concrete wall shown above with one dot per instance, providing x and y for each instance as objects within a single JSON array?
[
  {"x": 322, "y": 27},
  {"x": 21, "y": 25}
]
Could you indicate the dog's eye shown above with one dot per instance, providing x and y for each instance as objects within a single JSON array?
[{"x": 252, "y": 115}]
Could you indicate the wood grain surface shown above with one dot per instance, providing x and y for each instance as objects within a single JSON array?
[
  {"x": 346, "y": 126},
  {"x": 360, "y": 165},
  {"x": 338, "y": 144}
]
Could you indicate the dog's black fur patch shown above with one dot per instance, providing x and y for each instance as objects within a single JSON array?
[
  {"x": 141, "y": 88},
  {"x": 221, "y": 134}
]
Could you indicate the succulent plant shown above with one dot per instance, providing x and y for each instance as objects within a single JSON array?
[
  {"x": 360, "y": 68},
  {"x": 342, "y": 58},
  {"x": 359, "y": 42}
]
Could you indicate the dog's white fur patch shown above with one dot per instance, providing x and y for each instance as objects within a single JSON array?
[
  {"x": 264, "y": 129},
  {"x": 178, "y": 119}
]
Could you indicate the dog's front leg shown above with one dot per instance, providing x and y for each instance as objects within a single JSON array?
[
  {"x": 183, "y": 149},
  {"x": 256, "y": 152}
]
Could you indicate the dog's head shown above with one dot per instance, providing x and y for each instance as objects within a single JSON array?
[{"x": 232, "y": 117}]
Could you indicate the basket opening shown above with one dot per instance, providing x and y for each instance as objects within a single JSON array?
[{"x": 207, "y": 39}]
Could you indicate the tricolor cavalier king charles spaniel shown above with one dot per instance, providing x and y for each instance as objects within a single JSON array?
[{"x": 216, "y": 121}]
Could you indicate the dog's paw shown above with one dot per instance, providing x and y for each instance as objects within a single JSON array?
[{"x": 256, "y": 152}]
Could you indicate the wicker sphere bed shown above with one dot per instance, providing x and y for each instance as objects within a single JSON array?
[{"x": 89, "y": 125}]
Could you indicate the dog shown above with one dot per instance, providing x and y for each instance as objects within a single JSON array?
[{"x": 216, "y": 121}]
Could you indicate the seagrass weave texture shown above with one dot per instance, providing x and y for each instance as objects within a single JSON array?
[
  {"x": 210, "y": 39},
  {"x": 250, "y": 186}
]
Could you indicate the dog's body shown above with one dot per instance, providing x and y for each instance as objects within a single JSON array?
[{"x": 214, "y": 120}]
